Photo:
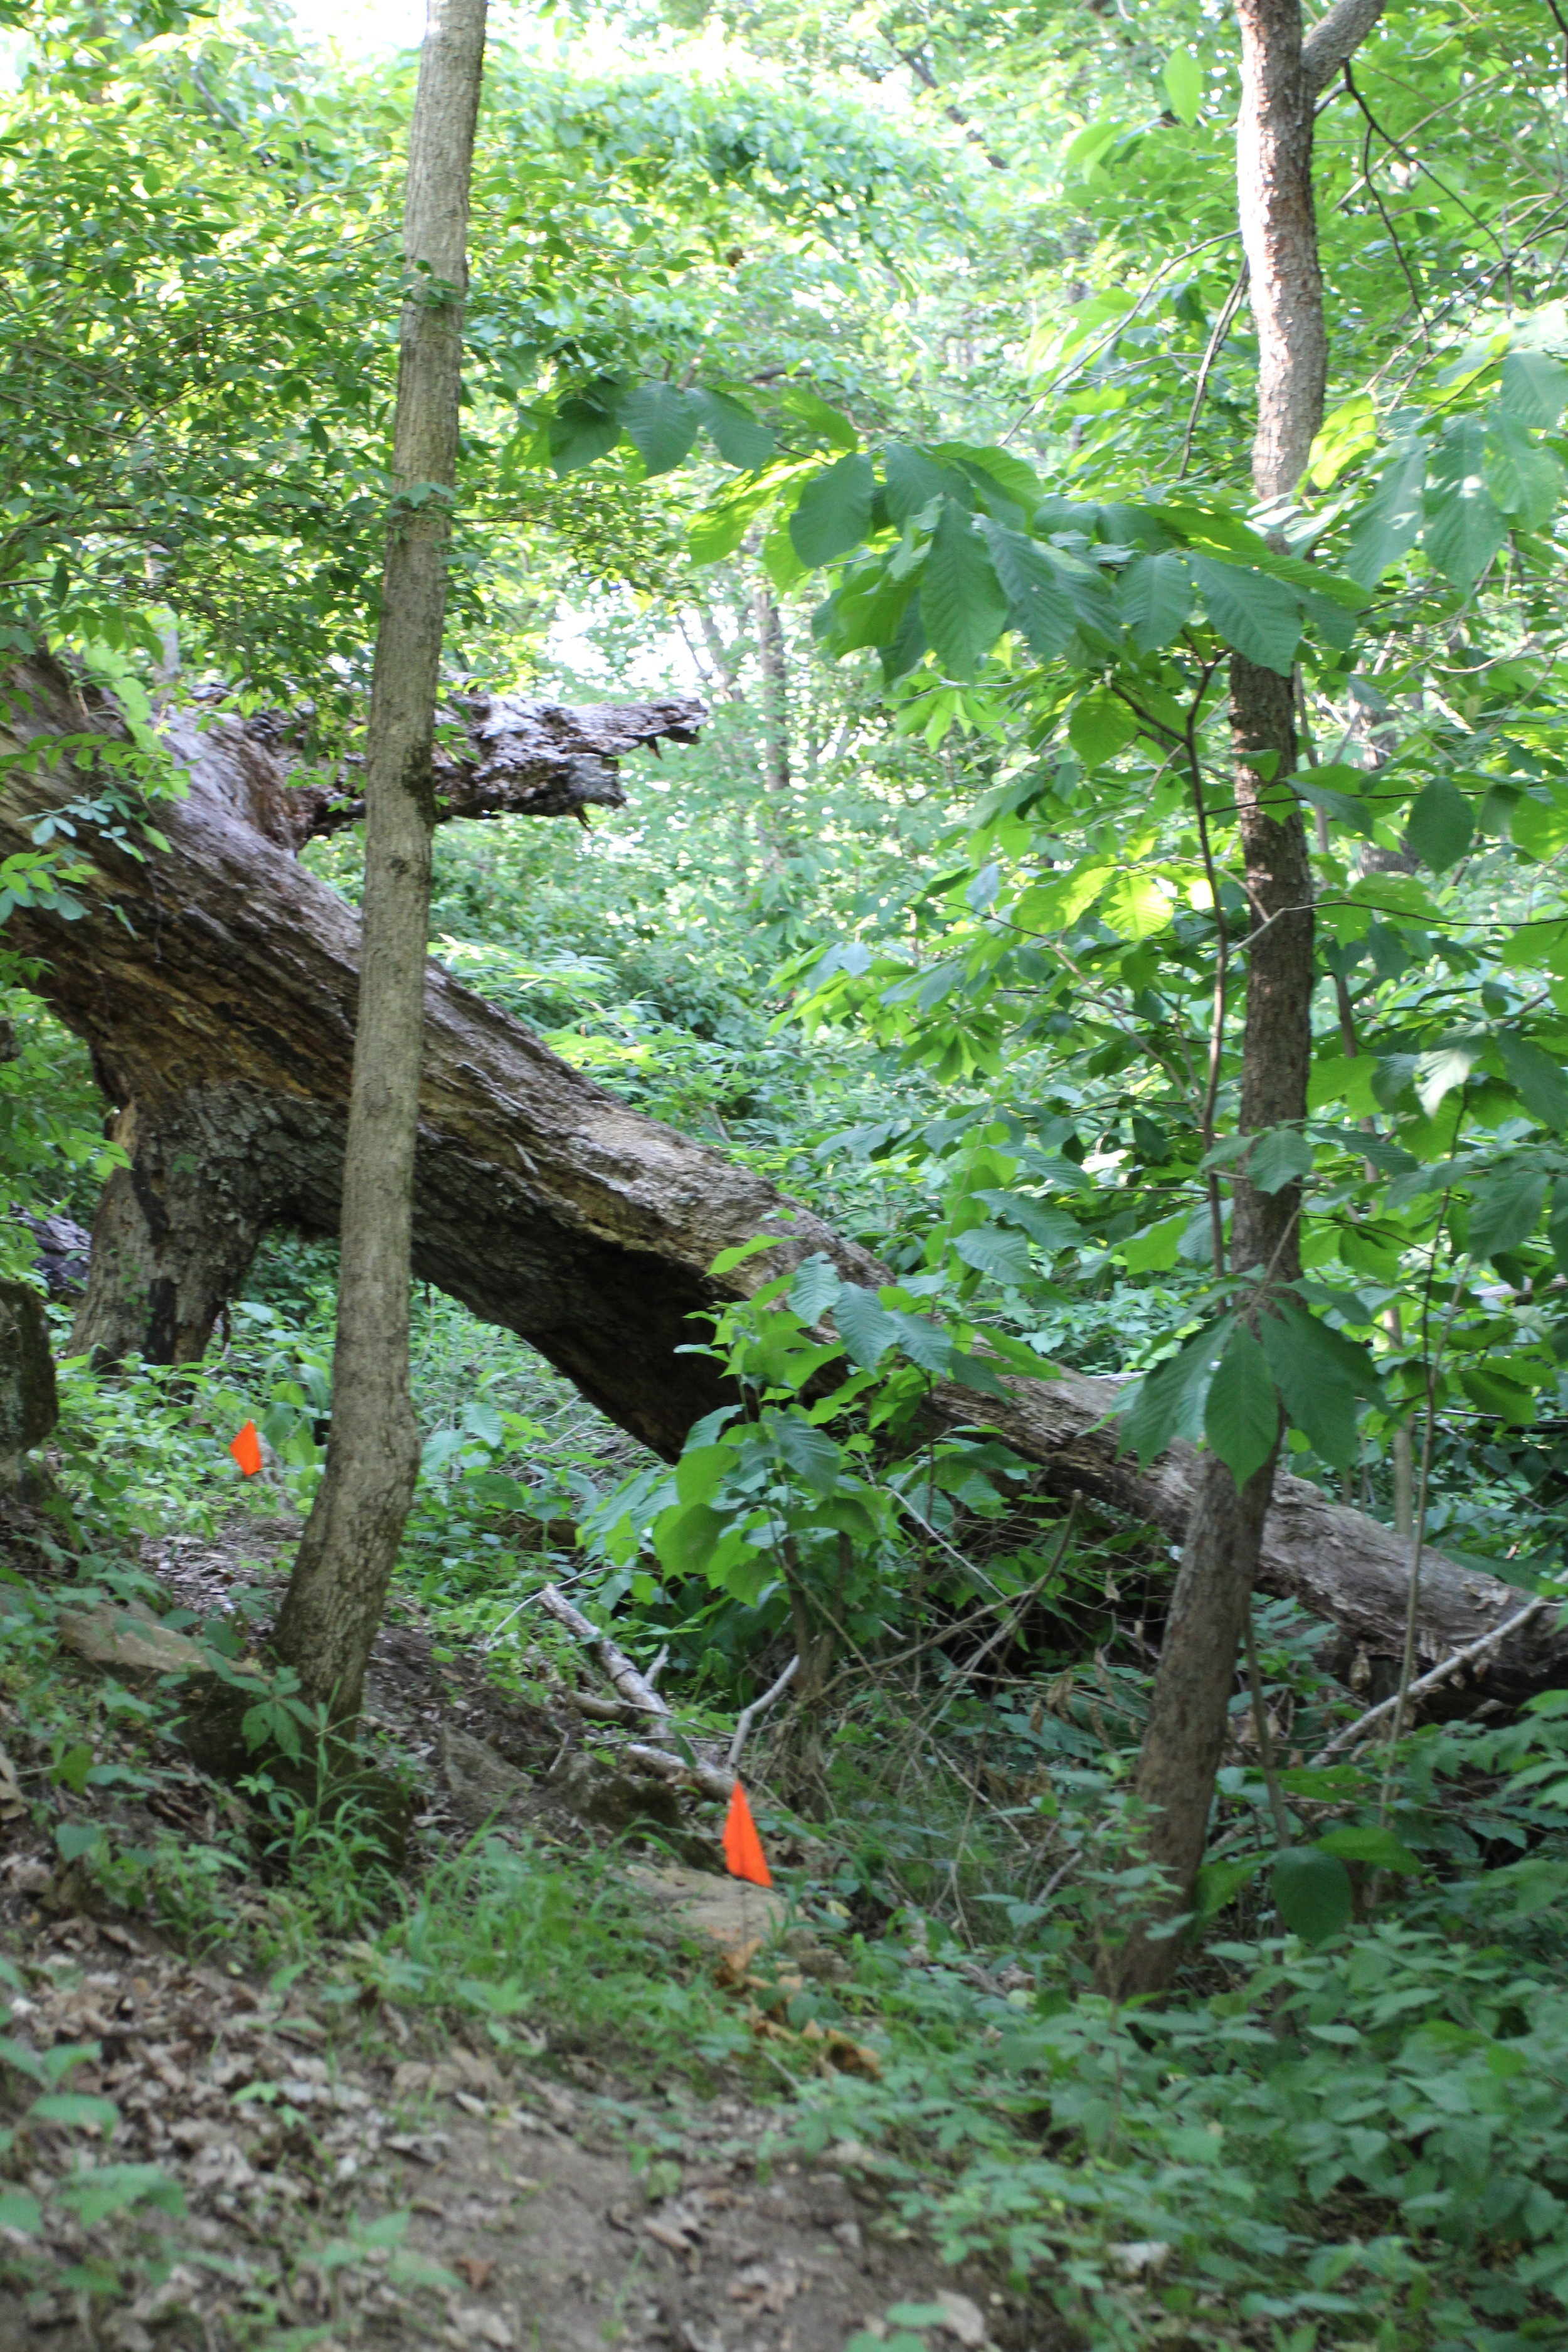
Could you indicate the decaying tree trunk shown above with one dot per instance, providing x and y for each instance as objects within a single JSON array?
[{"x": 223, "y": 1004}]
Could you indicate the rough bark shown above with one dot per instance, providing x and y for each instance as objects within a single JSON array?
[
  {"x": 1191, "y": 1697},
  {"x": 344, "y": 1566},
  {"x": 217, "y": 982},
  {"x": 779, "y": 813}
]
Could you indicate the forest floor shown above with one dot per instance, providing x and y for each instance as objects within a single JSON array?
[{"x": 298, "y": 2155}]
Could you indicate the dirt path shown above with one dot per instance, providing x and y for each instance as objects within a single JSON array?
[{"x": 337, "y": 2194}]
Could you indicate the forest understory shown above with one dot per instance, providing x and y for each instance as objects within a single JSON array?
[{"x": 784, "y": 1063}]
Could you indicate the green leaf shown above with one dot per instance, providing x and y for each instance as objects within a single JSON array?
[
  {"x": 1320, "y": 1373},
  {"x": 913, "y": 480},
  {"x": 1312, "y": 1894},
  {"x": 20, "y": 2211},
  {"x": 962, "y": 600},
  {"x": 1506, "y": 1211},
  {"x": 1492, "y": 1392},
  {"x": 835, "y": 513},
  {"x": 1543, "y": 1088},
  {"x": 1039, "y": 602},
  {"x": 1006, "y": 484},
  {"x": 1260, "y": 617},
  {"x": 1534, "y": 388},
  {"x": 1169, "y": 1402},
  {"x": 810, "y": 1453},
  {"x": 114, "y": 2187},
  {"x": 992, "y": 1250},
  {"x": 1441, "y": 1071},
  {"x": 1052, "y": 1228},
  {"x": 1278, "y": 1157},
  {"x": 662, "y": 422},
  {"x": 814, "y": 1288},
  {"x": 1184, "y": 80},
  {"x": 864, "y": 1325},
  {"x": 1220, "y": 1882},
  {"x": 1525, "y": 480},
  {"x": 75, "y": 2107},
  {"x": 581, "y": 431},
  {"x": 1154, "y": 596},
  {"x": 1463, "y": 529},
  {"x": 699, "y": 1470},
  {"x": 684, "y": 1539},
  {"x": 830, "y": 425},
  {"x": 1376, "y": 1846},
  {"x": 1388, "y": 525},
  {"x": 1241, "y": 1416},
  {"x": 1440, "y": 826},
  {"x": 925, "y": 1343},
  {"x": 1136, "y": 906},
  {"x": 1099, "y": 727},
  {"x": 740, "y": 438},
  {"x": 75, "y": 1839}
]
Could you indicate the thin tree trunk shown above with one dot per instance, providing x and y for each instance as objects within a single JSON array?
[
  {"x": 1189, "y": 1704},
  {"x": 777, "y": 781},
  {"x": 338, "y": 1588}
]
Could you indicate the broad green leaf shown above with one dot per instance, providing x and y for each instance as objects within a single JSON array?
[
  {"x": 1494, "y": 1392},
  {"x": 1557, "y": 1224},
  {"x": 1260, "y": 617},
  {"x": 1441, "y": 824},
  {"x": 809, "y": 1452},
  {"x": 1442, "y": 1071},
  {"x": 831, "y": 424},
  {"x": 1220, "y": 1882},
  {"x": 1312, "y": 1894},
  {"x": 581, "y": 431},
  {"x": 18, "y": 2210},
  {"x": 699, "y": 1470},
  {"x": 865, "y": 1327},
  {"x": 962, "y": 600},
  {"x": 991, "y": 1249},
  {"x": 814, "y": 1288},
  {"x": 662, "y": 422},
  {"x": 1154, "y": 1251},
  {"x": 1101, "y": 726},
  {"x": 1525, "y": 480},
  {"x": 1534, "y": 388},
  {"x": 989, "y": 470},
  {"x": 1241, "y": 1415},
  {"x": 1280, "y": 1158},
  {"x": 684, "y": 1539},
  {"x": 1506, "y": 1211},
  {"x": 1052, "y": 1228},
  {"x": 1341, "y": 808},
  {"x": 1347, "y": 433},
  {"x": 835, "y": 513},
  {"x": 1320, "y": 1373},
  {"x": 1463, "y": 529},
  {"x": 1388, "y": 525},
  {"x": 1378, "y": 1848},
  {"x": 720, "y": 531},
  {"x": 740, "y": 438},
  {"x": 871, "y": 614},
  {"x": 914, "y": 479},
  {"x": 1184, "y": 80},
  {"x": 781, "y": 558},
  {"x": 923, "y": 1341},
  {"x": 1155, "y": 595},
  {"x": 1540, "y": 827},
  {"x": 1543, "y": 1088},
  {"x": 1138, "y": 905},
  {"x": 76, "y": 1839},
  {"x": 1168, "y": 1400},
  {"x": 1039, "y": 602}
]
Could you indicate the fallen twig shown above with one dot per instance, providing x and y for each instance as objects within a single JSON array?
[
  {"x": 612, "y": 1663},
  {"x": 696, "y": 1773},
  {"x": 749, "y": 1714},
  {"x": 1355, "y": 1732}
]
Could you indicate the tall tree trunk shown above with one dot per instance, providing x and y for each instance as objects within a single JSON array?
[
  {"x": 1190, "y": 1707},
  {"x": 777, "y": 781},
  {"x": 338, "y": 1588}
]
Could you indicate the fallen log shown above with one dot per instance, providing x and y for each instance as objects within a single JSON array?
[{"x": 215, "y": 984}]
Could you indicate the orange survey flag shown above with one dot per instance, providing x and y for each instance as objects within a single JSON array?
[
  {"x": 247, "y": 1450},
  {"x": 743, "y": 1846}
]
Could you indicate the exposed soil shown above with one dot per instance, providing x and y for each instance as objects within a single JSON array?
[{"x": 347, "y": 2175}]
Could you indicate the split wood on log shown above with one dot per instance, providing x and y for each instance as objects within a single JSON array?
[{"x": 215, "y": 983}]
